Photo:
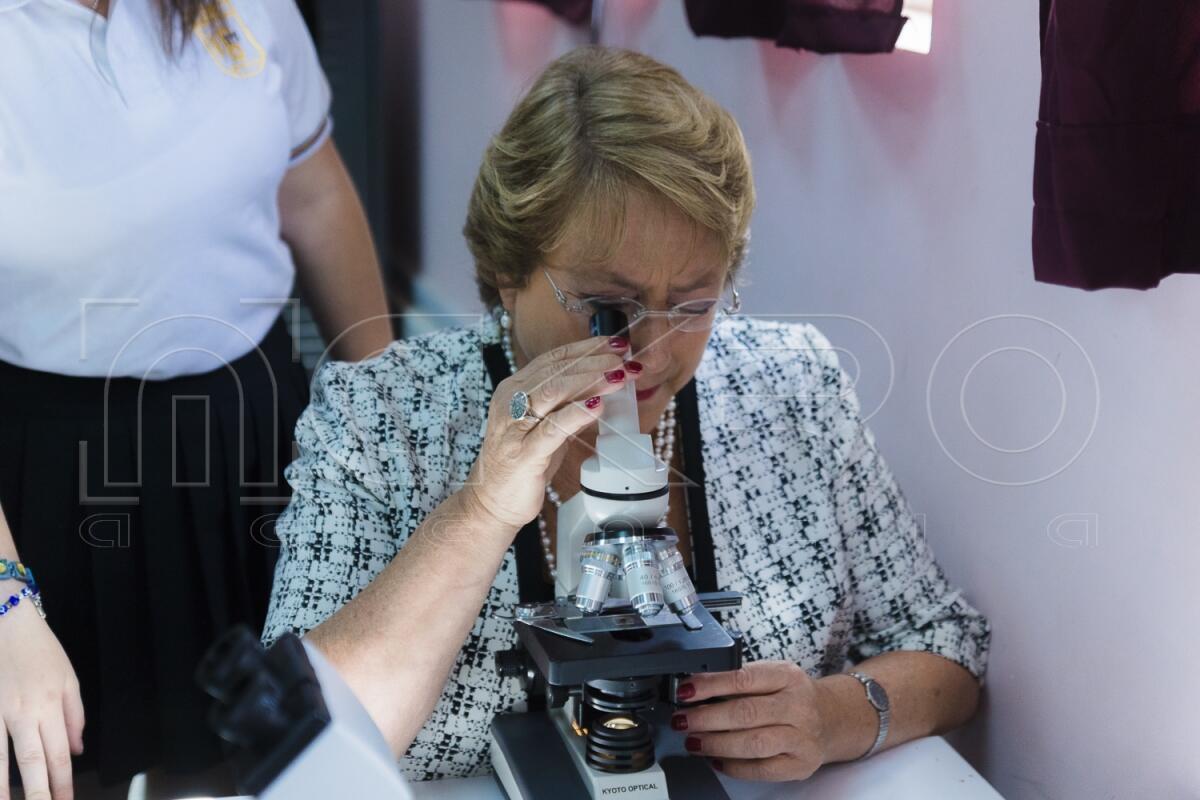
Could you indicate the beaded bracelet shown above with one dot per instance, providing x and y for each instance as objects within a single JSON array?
[
  {"x": 34, "y": 595},
  {"x": 16, "y": 570}
]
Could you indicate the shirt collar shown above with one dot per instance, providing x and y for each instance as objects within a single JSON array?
[{"x": 8, "y": 5}]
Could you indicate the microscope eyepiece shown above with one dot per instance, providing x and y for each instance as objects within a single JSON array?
[
  {"x": 267, "y": 707},
  {"x": 229, "y": 664},
  {"x": 609, "y": 321}
]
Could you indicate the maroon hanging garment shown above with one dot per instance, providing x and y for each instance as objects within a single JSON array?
[
  {"x": 1116, "y": 168},
  {"x": 823, "y": 26},
  {"x": 574, "y": 11}
]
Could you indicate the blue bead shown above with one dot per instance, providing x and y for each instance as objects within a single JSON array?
[{"x": 13, "y": 599}]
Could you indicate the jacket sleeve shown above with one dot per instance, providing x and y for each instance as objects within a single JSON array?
[
  {"x": 347, "y": 517},
  {"x": 902, "y": 600}
]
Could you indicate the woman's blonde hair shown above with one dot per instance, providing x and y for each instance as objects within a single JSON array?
[{"x": 597, "y": 124}]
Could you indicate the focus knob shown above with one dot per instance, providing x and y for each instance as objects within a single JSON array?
[{"x": 510, "y": 664}]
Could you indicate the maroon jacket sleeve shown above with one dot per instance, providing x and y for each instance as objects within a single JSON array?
[{"x": 823, "y": 26}]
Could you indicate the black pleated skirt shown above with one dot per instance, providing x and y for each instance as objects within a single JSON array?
[{"x": 146, "y": 510}]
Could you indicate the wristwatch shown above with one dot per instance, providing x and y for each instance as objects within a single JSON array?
[{"x": 878, "y": 698}]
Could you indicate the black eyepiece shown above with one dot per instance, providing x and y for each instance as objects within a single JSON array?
[{"x": 609, "y": 322}]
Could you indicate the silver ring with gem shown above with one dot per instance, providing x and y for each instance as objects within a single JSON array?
[{"x": 519, "y": 408}]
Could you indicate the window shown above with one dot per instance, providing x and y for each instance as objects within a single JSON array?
[{"x": 917, "y": 34}]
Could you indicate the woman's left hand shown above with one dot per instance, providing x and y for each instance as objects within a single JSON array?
[{"x": 768, "y": 727}]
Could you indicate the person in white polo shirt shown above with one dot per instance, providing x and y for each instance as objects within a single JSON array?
[{"x": 166, "y": 174}]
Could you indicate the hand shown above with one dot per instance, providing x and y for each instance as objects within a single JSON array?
[
  {"x": 769, "y": 729},
  {"x": 40, "y": 706},
  {"x": 517, "y": 459}
]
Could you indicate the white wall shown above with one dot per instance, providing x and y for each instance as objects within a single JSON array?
[{"x": 895, "y": 191}]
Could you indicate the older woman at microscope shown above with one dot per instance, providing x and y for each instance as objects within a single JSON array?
[{"x": 422, "y": 505}]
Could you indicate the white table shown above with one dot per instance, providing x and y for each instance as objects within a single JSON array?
[{"x": 917, "y": 770}]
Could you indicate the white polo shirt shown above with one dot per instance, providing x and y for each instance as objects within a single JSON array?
[{"x": 139, "y": 221}]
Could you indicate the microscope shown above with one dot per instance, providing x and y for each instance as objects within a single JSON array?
[
  {"x": 292, "y": 726},
  {"x": 600, "y": 664}
]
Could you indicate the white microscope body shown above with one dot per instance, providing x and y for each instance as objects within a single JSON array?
[
  {"x": 605, "y": 657},
  {"x": 624, "y": 464}
]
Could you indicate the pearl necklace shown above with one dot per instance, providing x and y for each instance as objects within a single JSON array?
[{"x": 664, "y": 449}]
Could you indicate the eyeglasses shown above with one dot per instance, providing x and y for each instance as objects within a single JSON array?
[{"x": 692, "y": 317}]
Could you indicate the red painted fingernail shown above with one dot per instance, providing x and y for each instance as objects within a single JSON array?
[
  {"x": 716, "y": 764},
  {"x": 692, "y": 744},
  {"x": 618, "y": 342},
  {"x": 685, "y": 691},
  {"x": 592, "y": 402},
  {"x": 679, "y": 722},
  {"x": 633, "y": 366},
  {"x": 615, "y": 376}
]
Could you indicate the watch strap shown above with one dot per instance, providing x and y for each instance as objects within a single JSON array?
[{"x": 885, "y": 713}]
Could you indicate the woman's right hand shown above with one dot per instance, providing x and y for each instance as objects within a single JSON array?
[
  {"x": 517, "y": 459},
  {"x": 40, "y": 706}
]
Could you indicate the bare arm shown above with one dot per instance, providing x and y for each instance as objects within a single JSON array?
[
  {"x": 928, "y": 695},
  {"x": 323, "y": 222},
  {"x": 8, "y": 548},
  {"x": 40, "y": 705},
  {"x": 396, "y": 641},
  {"x": 775, "y": 722}
]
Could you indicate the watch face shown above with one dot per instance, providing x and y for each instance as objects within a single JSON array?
[{"x": 877, "y": 695}]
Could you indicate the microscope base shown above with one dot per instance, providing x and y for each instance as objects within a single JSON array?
[
  {"x": 531, "y": 760},
  {"x": 648, "y": 784},
  {"x": 537, "y": 756}
]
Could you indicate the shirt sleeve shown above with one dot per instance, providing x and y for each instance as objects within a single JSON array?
[
  {"x": 902, "y": 599},
  {"x": 339, "y": 530},
  {"x": 305, "y": 88}
]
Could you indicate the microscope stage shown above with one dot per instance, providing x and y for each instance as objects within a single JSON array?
[{"x": 638, "y": 650}]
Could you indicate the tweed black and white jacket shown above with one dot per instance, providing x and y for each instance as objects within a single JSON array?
[{"x": 805, "y": 516}]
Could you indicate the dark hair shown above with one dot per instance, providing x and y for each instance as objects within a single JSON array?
[{"x": 186, "y": 13}]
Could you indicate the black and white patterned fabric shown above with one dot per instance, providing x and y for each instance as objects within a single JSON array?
[{"x": 806, "y": 518}]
